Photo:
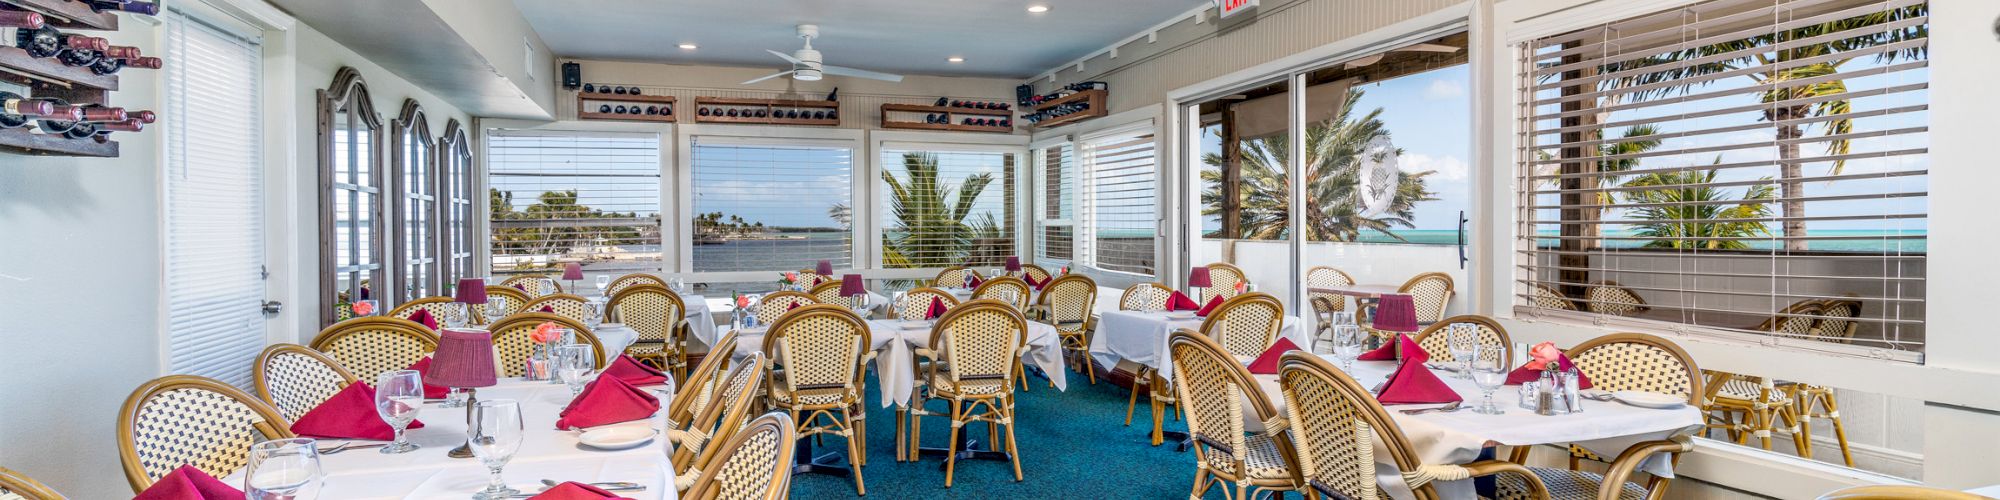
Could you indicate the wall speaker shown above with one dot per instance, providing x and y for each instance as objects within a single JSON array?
[
  {"x": 1023, "y": 93},
  {"x": 572, "y": 75}
]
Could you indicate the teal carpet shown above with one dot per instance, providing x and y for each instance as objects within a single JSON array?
[{"x": 1073, "y": 444}]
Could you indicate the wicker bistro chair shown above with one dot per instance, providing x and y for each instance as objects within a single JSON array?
[
  {"x": 1835, "y": 324},
  {"x": 823, "y": 351},
  {"x": 723, "y": 418},
  {"x": 1069, "y": 301},
  {"x": 532, "y": 284},
  {"x": 1548, "y": 298},
  {"x": 1898, "y": 492},
  {"x": 1747, "y": 406},
  {"x": 774, "y": 305},
  {"x": 295, "y": 379},
  {"x": 566, "y": 305},
  {"x": 181, "y": 420},
  {"x": 1431, "y": 292},
  {"x": 829, "y": 293},
  {"x": 1222, "y": 280},
  {"x": 620, "y": 283},
  {"x": 1145, "y": 297},
  {"x": 917, "y": 303},
  {"x": 1012, "y": 291},
  {"x": 367, "y": 347},
  {"x": 954, "y": 277},
  {"x": 437, "y": 306},
  {"x": 510, "y": 339},
  {"x": 809, "y": 278},
  {"x": 24, "y": 487},
  {"x": 698, "y": 389},
  {"x": 1037, "y": 272},
  {"x": 1435, "y": 341},
  {"x": 1334, "y": 425},
  {"x": 757, "y": 463},
  {"x": 516, "y": 300},
  {"x": 1325, "y": 304},
  {"x": 659, "y": 318},
  {"x": 1246, "y": 325},
  {"x": 1622, "y": 362},
  {"x": 1148, "y": 297},
  {"x": 1216, "y": 388},
  {"x": 1609, "y": 297},
  {"x": 972, "y": 364}
]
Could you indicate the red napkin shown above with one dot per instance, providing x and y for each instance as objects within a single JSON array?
[
  {"x": 349, "y": 414},
  {"x": 976, "y": 282},
  {"x": 1267, "y": 363},
  {"x": 1181, "y": 302},
  {"x": 1039, "y": 284},
  {"x": 789, "y": 308},
  {"x": 631, "y": 371},
  {"x": 574, "y": 491},
  {"x": 549, "y": 309},
  {"x": 518, "y": 286},
  {"x": 1213, "y": 303},
  {"x": 1413, "y": 383},
  {"x": 607, "y": 400},
  {"x": 423, "y": 367},
  {"x": 937, "y": 309},
  {"x": 1524, "y": 374},
  {"x": 424, "y": 316},
  {"x": 1387, "y": 352},
  {"x": 189, "y": 483}
]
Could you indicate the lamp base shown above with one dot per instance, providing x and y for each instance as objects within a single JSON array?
[{"x": 464, "y": 450}]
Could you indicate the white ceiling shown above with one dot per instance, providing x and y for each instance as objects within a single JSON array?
[{"x": 997, "y": 38}]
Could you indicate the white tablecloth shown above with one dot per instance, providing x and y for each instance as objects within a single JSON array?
[
  {"x": 1141, "y": 337},
  {"x": 1604, "y": 427},
  {"x": 965, "y": 294},
  {"x": 895, "y": 371},
  {"x": 700, "y": 318},
  {"x": 615, "y": 337},
  {"x": 546, "y": 453}
]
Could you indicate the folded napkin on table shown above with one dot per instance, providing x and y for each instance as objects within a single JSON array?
[
  {"x": 976, "y": 282},
  {"x": 1038, "y": 284},
  {"x": 937, "y": 308},
  {"x": 630, "y": 370},
  {"x": 607, "y": 400},
  {"x": 1213, "y": 302},
  {"x": 1413, "y": 383},
  {"x": 521, "y": 287},
  {"x": 1532, "y": 371},
  {"x": 1180, "y": 302},
  {"x": 424, "y": 316},
  {"x": 1267, "y": 363},
  {"x": 549, "y": 309},
  {"x": 1388, "y": 350},
  {"x": 573, "y": 490},
  {"x": 349, "y": 414},
  {"x": 423, "y": 367},
  {"x": 189, "y": 483}
]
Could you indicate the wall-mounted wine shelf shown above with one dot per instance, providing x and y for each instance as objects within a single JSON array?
[
  {"x": 70, "y": 14},
  {"x": 768, "y": 106},
  {"x": 951, "y": 115},
  {"x": 587, "y": 105},
  {"x": 50, "y": 78},
  {"x": 1095, "y": 97}
]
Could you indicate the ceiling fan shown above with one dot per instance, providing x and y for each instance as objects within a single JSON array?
[
  {"x": 1421, "y": 47},
  {"x": 807, "y": 66}
]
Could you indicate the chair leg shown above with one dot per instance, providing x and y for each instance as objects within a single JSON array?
[
  {"x": 1133, "y": 400},
  {"x": 916, "y": 433},
  {"x": 1520, "y": 455},
  {"x": 858, "y": 432},
  {"x": 1200, "y": 482},
  {"x": 1158, "y": 422},
  {"x": 902, "y": 434},
  {"x": 951, "y": 446},
  {"x": 1764, "y": 425},
  {"x": 1089, "y": 368},
  {"x": 1012, "y": 451},
  {"x": 1022, "y": 369},
  {"x": 1839, "y": 431},
  {"x": 855, "y": 456}
]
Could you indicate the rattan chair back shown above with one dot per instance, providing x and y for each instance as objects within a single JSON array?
[
  {"x": 758, "y": 464},
  {"x": 1145, "y": 297},
  {"x": 1070, "y": 299},
  {"x": 980, "y": 341},
  {"x": 774, "y": 305},
  {"x": 917, "y": 303},
  {"x": 620, "y": 283},
  {"x": 1335, "y": 424},
  {"x": 1437, "y": 344},
  {"x": 295, "y": 379},
  {"x": 1010, "y": 290},
  {"x": 651, "y": 311},
  {"x": 821, "y": 348},
  {"x": 367, "y": 347},
  {"x": 1609, "y": 297},
  {"x": 1222, "y": 280},
  {"x": 513, "y": 345},
  {"x": 1431, "y": 292},
  {"x": 438, "y": 307},
  {"x": 567, "y": 305},
  {"x": 27, "y": 488},
  {"x": 954, "y": 277},
  {"x": 1246, "y": 325},
  {"x": 181, "y": 420},
  {"x": 1324, "y": 277}
]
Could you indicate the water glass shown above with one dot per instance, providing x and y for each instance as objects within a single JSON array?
[
  {"x": 603, "y": 284},
  {"x": 1489, "y": 372},
  {"x": 679, "y": 287},
  {"x": 399, "y": 396},
  {"x": 545, "y": 286},
  {"x": 1347, "y": 340},
  {"x": 1343, "y": 318},
  {"x": 593, "y": 312},
  {"x": 456, "y": 315},
  {"x": 573, "y": 366},
  {"x": 496, "y": 308},
  {"x": 860, "y": 304},
  {"x": 494, "y": 434},
  {"x": 286, "y": 469},
  {"x": 1461, "y": 339}
]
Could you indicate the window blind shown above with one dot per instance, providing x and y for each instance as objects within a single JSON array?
[
  {"x": 771, "y": 207},
  {"x": 214, "y": 200},
  {"x": 1738, "y": 166},
  {"x": 943, "y": 208},
  {"x": 1055, "y": 221},
  {"x": 586, "y": 197},
  {"x": 1122, "y": 205},
  {"x": 418, "y": 224},
  {"x": 455, "y": 185}
]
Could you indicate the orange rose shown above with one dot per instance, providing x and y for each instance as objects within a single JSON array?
[
  {"x": 545, "y": 333},
  {"x": 364, "y": 308},
  {"x": 1541, "y": 355}
]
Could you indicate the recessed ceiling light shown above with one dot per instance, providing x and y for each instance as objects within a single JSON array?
[
  {"x": 689, "y": 46},
  {"x": 1038, "y": 8},
  {"x": 955, "y": 59}
]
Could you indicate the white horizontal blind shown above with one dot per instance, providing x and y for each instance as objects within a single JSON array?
[
  {"x": 1733, "y": 163},
  {"x": 1055, "y": 207},
  {"x": 214, "y": 200},
  {"x": 559, "y": 197},
  {"x": 1121, "y": 206},
  {"x": 770, "y": 207},
  {"x": 943, "y": 208}
]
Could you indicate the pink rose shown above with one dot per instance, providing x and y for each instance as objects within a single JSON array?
[
  {"x": 364, "y": 308},
  {"x": 742, "y": 301},
  {"x": 1541, "y": 355},
  {"x": 1239, "y": 287},
  {"x": 545, "y": 333},
  {"x": 791, "y": 276}
]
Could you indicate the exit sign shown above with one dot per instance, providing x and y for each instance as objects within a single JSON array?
[{"x": 1234, "y": 7}]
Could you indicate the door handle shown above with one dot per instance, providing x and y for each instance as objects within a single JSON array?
[
  {"x": 272, "y": 308},
  {"x": 1461, "y": 239}
]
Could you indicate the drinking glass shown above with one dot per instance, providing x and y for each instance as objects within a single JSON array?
[
  {"x": 679, "y": 287},
  {"x": 1347, "y": 345},
  {"x": 573, "y": 366},
  {"x": 1489, "y": 372},
  {"x": 896, "y": 302},
  {"x": 494, "y": 435},
  {"x": 286, "y": 469},
  {"x": 456, "y": 315},
  {"x": 593, "y": 313},
  {"x": 860, "y": 304},
  {"x": 496, "y": 308},
  {"x": 545, "y": 286},
  {"x": 603, "y": 284},
  {"x": 1343, "y": 318},
  {"x": 399, "y": 395},
  {"x": 1461, "y": 338}
]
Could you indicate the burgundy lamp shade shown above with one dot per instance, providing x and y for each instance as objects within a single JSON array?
[
  {"x": 1013, "y": 263},
  {"x": 851, "y": 285},
  {"x": 471, "y": 291},
  {"x": 572, "y": 271},
  {"x": 1198, "y": 277},
  {"x": 464, "y": 358},
  {"x": 1396, "y": 313},
  {"x": 824, "y": 268}
]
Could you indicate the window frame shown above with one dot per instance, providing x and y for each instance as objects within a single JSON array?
[
  {"x": 456, "y": 249},
  {"x": 878, "y": 216},
  {"x": 412, "y": 122},
  {"x": 348, "y": 91},
  {"x": 681, "y": 223}
]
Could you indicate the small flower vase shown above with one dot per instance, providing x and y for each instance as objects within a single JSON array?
[{"x": 538, "y": 364}]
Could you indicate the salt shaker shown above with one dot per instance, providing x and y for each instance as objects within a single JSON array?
[
  {"x": 1545, "y": 393},
  {"x": 1570, "y": 391}
]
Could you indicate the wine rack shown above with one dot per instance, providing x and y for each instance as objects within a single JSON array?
[
  {"x": 953, "y": 118},
  {"x": 50, "y": 78},
  {"x": 1094, "y": 97},
  {"x": 769, "y": 107},
  {"x": 588, "y": 103}
]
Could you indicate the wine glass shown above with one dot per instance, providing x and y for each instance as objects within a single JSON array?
[
  {"x": 494, "y": 435},
  {"x": 1461, "y": 338},
  {"x": 496, "y": 308},
  {"x": 283, "y": 469},
  {"x": 573, "y": 366},
  {"x": 603, "y": 283},
  {"x": 679, "y": 287},
  {"x": 545, "y": 286},
  {"x": 1347, "y": 345},
  {"x": 593, "y": 313},
  {"x": 860, "y": 304},
  {"x": 1343, "y": 318},
  {"x": 399, "y": 395},
  {"x": 1489, "y": 372},
  {"x": 456, "y": 315}
]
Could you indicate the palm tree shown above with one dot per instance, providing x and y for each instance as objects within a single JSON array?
[
  {"x": 1685, "y": 207},
  {"x": 1334, "y": 153},
  {"x": 1799, "y": 95},
  {"x": 930, "y": 216}
]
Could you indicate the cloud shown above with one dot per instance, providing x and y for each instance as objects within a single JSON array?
[
  {"x": 1444, "y": 89},
  {"x": 1449, "y": 168}
]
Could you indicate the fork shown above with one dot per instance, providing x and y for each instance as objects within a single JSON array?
[
  {"x": 349, "y": 446},
  {"x": 607, "y": 485},
  {"x": 1453, "y": 406}
]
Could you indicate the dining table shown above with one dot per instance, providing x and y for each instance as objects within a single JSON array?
[
  {"x": 894, "y": 343},
  {"x": 1141, "y": 337},
  {"x": 1362, "y": 291},
  {"x": 546, "y": 453},
  {"x": 1606, "y": 428}
]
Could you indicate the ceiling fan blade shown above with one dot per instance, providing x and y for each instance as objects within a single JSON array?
[
  {"x": 859, "y": 73},
  {"x": 1429, "y": 47},
  {"x": 1365, "y": 61},
  {"x": 787, "y": 57},
  {"x": 769, "y": 76}
]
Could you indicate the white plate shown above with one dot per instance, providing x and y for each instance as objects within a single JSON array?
[
  {"x": 1181, "y": 314},
  {"x": 1644, "y": 399},
  {"x": 617, "y": 438}
]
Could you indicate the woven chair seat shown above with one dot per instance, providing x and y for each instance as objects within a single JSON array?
[
  {"x": 1069, "y": 327},
  {"x": 941, "y": 385},
  {"x": 1563, "y": 484},
  {"x": 1263, "y": 459},
  {"x": 784, "y": 397},
  {"x": 643, "y": 348}
]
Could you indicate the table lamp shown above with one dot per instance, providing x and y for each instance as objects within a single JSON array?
[
  {"x": 1013, "y": 265},
  {"x": 823, "y": 269},
  {"x": 1197, "y": 280},
  {"x": 572, "y": 272},
  {"x": 857, "y": 290},
  {"x": 1396, "y": 313},
  {"x": 463, "y": 360},
  {"x": 470, "y": 292}
]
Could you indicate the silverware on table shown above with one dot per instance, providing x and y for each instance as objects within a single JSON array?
[
  {"x": 1451, "y": 407},
  {"x": 349, "y": 446},
  {"x": 606, "y": 485}
]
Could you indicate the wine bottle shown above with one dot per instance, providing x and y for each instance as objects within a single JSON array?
[
  {"x": 941, "y": 102},
  {"x": 49, "y": 42},
  {"x": 604, "y": 108},
  {"x": 667, "y": 110},
  {"x": 702, "y": 111},
  {"x": 589, "y": 88},
  {"x": 132, "y": 6},
  {"x": 833, "y": 114},
  {"x": 94, "y": 113},
  {"x": 762, "y": 112},
  {"x": 732, "y": 112},
  {"x": 144, "y": 116},
  {"x": 21, "y": 19},
  {"x": 16, "y": 110},
  {"x": 652, "y": 110},
  {"x": 620, "y": 109},
  {"x": 620, "y": 90},
  {"x": 82, "y": 57},
  {"x": 633, "y": 90}
]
